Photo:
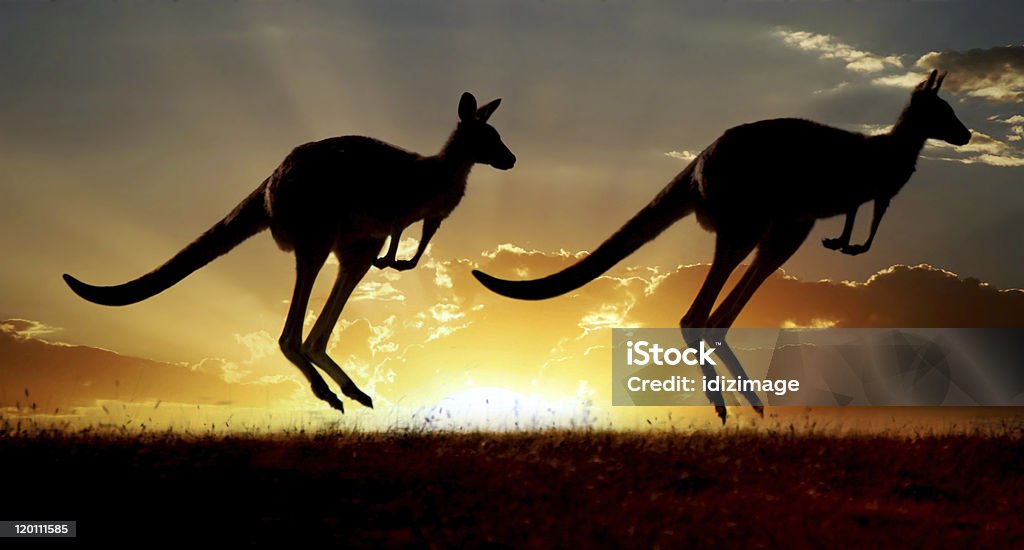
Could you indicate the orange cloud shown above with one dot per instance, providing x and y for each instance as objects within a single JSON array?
[{"x": 56, "y": 376}]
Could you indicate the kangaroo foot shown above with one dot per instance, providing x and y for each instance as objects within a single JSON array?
[
  {"x": 759, "y": 409},
  {"x": 357, "y": 395},
  {"x": 324, "y": 393},
  {"x": 720, "y": 411}
]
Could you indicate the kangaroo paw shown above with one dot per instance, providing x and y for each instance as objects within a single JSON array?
[
  {"x": 325, "y": 394},
  {"x": 357, "y": 395},
  {"x": 833, "y": 244},
  {"x": 336, "y": 403}
]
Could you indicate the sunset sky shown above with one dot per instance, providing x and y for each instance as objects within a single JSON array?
[{"x": 128, "y": 129}]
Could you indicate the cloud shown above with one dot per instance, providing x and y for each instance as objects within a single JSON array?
[
  {"x": 260, "y": 344},
  {"x": 65, "y": 377},
  {"x": 419, "y": 351},
  {"x": 446, "y": 313},
  {"x": 898, "y": 296},
  {"x": 684, "y": 155},
  {"x": 905, "y": 80},
  {"x": 875, "y": 129},
  {"x": 828, "y": 47},
  {"x": 983, "y": 149},
  {"x": 1014, "y": 119},
  {"x": 815, "y": 323},
  {"x": 376, "y": 291},
  {"x": 1016, "y": 124},
  {"x": 449, "y": 319},
  {"x": 381, "y": 339},
  {"x": 230, "y": 371},
  {"x": 607, "y": 316},
  {"x": 834, "y": 89},
  {"x": 995, "y": 74},
  {"x": 523, "y": 261},
  {"x": 408, "y": 246},
  {"x": 442, "y": 277},
  {"x": 24, "y": 328}
]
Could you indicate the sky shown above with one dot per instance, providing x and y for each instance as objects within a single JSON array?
[{"x": 128, "y": 129}]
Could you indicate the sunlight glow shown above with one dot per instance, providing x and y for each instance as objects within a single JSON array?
[{"x": 491, "y": 408}]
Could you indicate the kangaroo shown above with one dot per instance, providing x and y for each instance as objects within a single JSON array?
[
  {"x": 345, "y": 195},
  {"x": 762, "y": 186}
]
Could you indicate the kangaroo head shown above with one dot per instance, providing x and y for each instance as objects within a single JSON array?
[
  {"x": 479, "y": 140},
  {"x": 931, "y": 115}
]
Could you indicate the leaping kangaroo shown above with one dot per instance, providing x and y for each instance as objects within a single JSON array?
[
  {"x": 763, "y": 185},
  {"x": 343, "y": 194}
]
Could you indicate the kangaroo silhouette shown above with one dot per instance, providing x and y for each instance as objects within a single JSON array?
[
  {"x": 762, "y": 186},
  {"x": 343, "y": 194}
]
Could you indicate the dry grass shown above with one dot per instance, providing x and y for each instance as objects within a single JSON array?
[{"x": 556, "y": 488}]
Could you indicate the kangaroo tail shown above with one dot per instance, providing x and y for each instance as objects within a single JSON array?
[
  {"x": 672, "y": 204},
  {"x": 247, "y": 219}
]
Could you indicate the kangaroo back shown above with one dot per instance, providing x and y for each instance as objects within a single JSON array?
[
  {"x": 246, "y": 220},
  {"x": 674, "y": 202}
]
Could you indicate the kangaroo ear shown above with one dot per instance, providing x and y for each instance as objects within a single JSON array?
[
  {"x": 927, "y": 85},
  {"x": 938, "y": 83},
  {"x": 467, "y": 107},
  {"x": 485, "y": 112}
]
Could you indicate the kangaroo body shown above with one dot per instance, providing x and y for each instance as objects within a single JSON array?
[
  {"x": 348, "y": 189},
  {"x": 762, "y": 186},
  {"x": 750, "y": 177},
  {"x": 345, "y": 195}
]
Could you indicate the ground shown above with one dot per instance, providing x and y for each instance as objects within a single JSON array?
[{"x": 558, "y": 488}]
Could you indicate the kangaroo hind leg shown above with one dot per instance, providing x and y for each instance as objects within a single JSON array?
[
  {"x": 355, "y": 260},
  {"x": 777, "y": 246},
  {"x": 307, "y": 266},
  {"x": 730, "y": 249}
]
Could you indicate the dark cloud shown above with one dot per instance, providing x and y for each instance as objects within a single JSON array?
[
  {"x": 996, "y": 74},
  {"x": 899, "y": 296}
]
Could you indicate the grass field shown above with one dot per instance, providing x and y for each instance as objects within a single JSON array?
[{"x": 558, "y": 488}]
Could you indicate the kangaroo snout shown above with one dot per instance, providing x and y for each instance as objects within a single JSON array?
[
  {"x": 962, "y": 138},
  {"x": 505, "y": 163}
]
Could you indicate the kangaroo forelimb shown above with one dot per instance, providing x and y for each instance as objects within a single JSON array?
[
  {"x": 854, "y": 249},
  {"x": 842, "y": 241},
  {"x": 430, "y": 227}
]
